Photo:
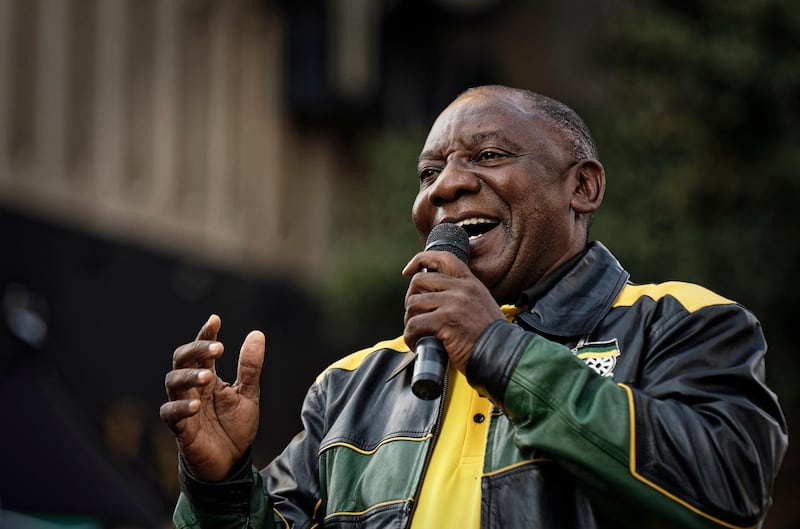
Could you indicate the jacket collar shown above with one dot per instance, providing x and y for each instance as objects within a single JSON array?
[{"x": 582, "y": 296}]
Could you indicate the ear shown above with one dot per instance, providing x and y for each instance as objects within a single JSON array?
[{"x": 590, "y": 186}]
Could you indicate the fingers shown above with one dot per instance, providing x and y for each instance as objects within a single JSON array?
[
  {"x": 174, "y": 412},
  {"x": 183, "y": 401},
  {"x": 428, "y": 291},
  {"x": 210, "y": 328},
  {"x": 201, "y": 353},
  {"x": 251, "y": 360},
  {"x": 192, "y": 370},
  {"x": 427, "y": 304},
  {"x": 193, "y": 384},
  {"x": 443, "y": 262},
  {"x": 180, "y": 382},
  {"x": 417, "y": 326}
]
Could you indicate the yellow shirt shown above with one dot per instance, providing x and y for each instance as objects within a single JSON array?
[{"x": 451, "y": 491}]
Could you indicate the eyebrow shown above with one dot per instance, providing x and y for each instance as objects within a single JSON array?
[
  {"x": 477, "y": 139},
  {"x": 480, "y": 137}
]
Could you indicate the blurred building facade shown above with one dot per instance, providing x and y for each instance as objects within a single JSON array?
[
  {"x": 162, "y": 123},
  {"x": 213, "y": 128}
]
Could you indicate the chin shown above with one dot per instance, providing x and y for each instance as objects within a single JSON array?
[{"x": 501, "y": 294}]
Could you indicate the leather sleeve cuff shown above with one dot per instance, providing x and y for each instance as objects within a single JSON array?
[
  {"x": 231, "y": 496},
  {"x": 495, "y": 357}
]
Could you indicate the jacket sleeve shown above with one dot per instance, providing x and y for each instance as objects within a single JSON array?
[
  {"x": 284, "y": 494},
  {"x": 696, "y": 444},
  {"x": 236, "y": 503}
]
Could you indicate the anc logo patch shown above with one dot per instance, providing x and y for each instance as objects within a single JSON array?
[{"x": 600, "y": 356}]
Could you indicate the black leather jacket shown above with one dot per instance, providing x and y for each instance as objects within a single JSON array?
[{"x": 616, "y": 405}]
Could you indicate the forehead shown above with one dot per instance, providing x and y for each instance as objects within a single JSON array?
[{"x": 498, "y": 117}]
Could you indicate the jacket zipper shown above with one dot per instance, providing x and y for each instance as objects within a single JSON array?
[{"x": 437, "y": 427}]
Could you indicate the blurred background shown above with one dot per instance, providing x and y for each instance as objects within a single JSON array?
[{"x": 163, "y": 160}]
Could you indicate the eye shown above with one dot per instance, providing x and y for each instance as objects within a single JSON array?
[
  {"x": 427, "y": 174},
  {"x": 488, "y": 155}
]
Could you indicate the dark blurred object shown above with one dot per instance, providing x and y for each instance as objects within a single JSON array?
[
  {"x": 87, "y": 333},
  {"x": 25, "y": 314},
  {"x": 54, "y": 465},
  {"x": 349, "y": 64}
]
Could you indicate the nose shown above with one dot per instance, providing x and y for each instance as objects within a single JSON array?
[{"x": 455, "y": 181}]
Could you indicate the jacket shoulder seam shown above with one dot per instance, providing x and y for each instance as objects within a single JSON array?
[
  {"x": 690, "y": 296},
  {"x": 352, "y": 361}
]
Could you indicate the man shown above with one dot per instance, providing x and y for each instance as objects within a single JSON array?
[{"x": 574, "y": 398}]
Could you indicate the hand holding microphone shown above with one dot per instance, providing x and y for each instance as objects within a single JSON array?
[{"x": 431, "y": 363}]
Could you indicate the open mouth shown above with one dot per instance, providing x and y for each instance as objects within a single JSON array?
[{"x": 477, "y": 227}]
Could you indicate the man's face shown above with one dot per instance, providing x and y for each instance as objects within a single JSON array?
[{"x": 502, "y": 173}]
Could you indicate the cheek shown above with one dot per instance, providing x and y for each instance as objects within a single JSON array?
[
  {"x": 421, "y": 215},
  {"x": 534, "y": 232}
]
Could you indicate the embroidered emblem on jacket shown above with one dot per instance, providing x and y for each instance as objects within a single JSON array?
[{"x": 600, "y": 356}]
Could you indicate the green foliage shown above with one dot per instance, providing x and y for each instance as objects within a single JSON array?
[
  {"x": 364, "y": 289},
  {"x": 699, "y": 140}
]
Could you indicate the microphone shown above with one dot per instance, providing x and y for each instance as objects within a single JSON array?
[{"x": 431, "y": 363}]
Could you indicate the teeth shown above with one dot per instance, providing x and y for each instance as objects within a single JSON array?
[{"x": 476, "y": 220}]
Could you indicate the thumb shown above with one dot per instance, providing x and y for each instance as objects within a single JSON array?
[{"x": 251, "y": 359}]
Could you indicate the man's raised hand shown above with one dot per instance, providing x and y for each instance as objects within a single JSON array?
[{"x": 214, "y": 422}]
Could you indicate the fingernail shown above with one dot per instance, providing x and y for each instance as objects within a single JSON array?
[{"x": 215, "y": 347}]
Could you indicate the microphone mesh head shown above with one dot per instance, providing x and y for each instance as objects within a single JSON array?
[{"x": 451, "y": 238}]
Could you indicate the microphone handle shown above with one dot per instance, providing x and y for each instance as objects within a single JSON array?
[{"x": 429, "y": 369}]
